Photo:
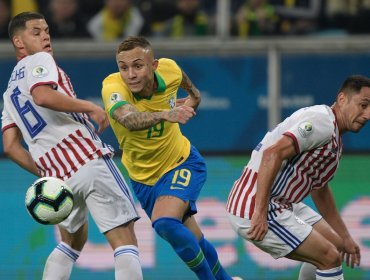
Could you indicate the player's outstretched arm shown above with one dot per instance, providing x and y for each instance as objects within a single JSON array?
[
  {"x": 134, "y": 120},
  {"x": 12, "y": 139},
  {"x": 47, "y": 97},
  {"x": 271, "y": 162},
  {"x": 325, "y": 204},
  {"x": 194, "y": 98}
]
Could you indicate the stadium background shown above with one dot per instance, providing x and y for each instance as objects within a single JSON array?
[{"x": 235, "y": 79}]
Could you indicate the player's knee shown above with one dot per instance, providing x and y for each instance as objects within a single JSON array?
[
  {"x": 75, "y": 240},
  {"x": 337, "y": 241},
  {"x": 122, "y": 235},
  {"x": 166, "y": 227},
  {"x": 330, "y": 259},
  {"x": 78, "y": 243}
]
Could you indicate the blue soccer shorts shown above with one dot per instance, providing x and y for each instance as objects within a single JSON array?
[{"x": 184, "y": 181}]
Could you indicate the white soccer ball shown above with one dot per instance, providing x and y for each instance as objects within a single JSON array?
[{"x": 49, "y": 200}]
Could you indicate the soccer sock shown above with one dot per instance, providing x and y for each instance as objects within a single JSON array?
[
  {"x": 127, "y": 264},
  {"x": 307, "y": 272},
  {"x": 335, "y": 273},
  {"x": 185, "y": 245},
  {"x": 212, "y": 258},
  {"x": 60, "y": 262}
]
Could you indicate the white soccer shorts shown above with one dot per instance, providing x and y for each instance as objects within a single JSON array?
[
  {"x": 286, "y": 231},
  {"x": 99, "y": 187}
]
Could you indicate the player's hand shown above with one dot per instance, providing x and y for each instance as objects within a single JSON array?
[
  {"x": 258, "y": 228},
  {"x": 180, "y": 114},
  {"x": 100, "y": 117},
  {"x": 351, "y": 253},
  {"x": 181, "y": 101},
  {"x": 190, "y": 101}
]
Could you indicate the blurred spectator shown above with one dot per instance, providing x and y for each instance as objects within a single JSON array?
[
  {"x": 360, "y": 23},
  {"x": 297, "y": 17},
  {"x": 64, "y": 19},
  {"x": 117, "y": 19},
  {"x": 5, "y": 14},
  {"x": 210, "y": 6},
  {"x": 189, "y": 20},
  {"x": 89, "y": 8},
  {"x": 19, "y": 6},
  {"x": 351, "y": 16},
  {"x": 155, "y": 12},
  {"x": 254, "y": 18}
]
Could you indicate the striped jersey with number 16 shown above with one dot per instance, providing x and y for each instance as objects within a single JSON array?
[
  {"x": 59, "y": 142},
  {"x": 315, "y": 134}
]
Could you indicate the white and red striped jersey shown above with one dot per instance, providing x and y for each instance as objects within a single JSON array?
[
  {"x": 59, "y": 142},
  {"x": 315, "y": 133}
]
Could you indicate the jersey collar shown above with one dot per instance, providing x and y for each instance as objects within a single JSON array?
[{"x": 161, "y": 84}]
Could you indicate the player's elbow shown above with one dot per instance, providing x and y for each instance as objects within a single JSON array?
[
  {"x": 12, "y": 139},
  {"x": 197, "y": 102},
  {"x": 8, "y": 148},
  {"x": 270, "y": 154}
]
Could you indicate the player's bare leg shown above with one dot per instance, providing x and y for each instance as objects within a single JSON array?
[
  {"x": 321, "y": 253},
  {"x": 308, "y": 271}
]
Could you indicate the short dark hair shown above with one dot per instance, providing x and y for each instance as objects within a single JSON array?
[
  {"x": 132, "y": 42},
  {"x": 354, "y": 84},
  {"x": 19, "y": 22}
]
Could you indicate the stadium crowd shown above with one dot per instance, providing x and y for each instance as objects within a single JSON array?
[{"x": 110, "y": 20}]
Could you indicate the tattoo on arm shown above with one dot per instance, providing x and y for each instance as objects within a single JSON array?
[
  {"x": 134, "y": 120},
  {"x": 188, "y": 86}
]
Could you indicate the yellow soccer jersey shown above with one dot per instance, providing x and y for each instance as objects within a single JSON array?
[{"x": 148, "y": 154}]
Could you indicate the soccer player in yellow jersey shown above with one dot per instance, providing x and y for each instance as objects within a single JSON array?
[{"x": 166, "y": 171}]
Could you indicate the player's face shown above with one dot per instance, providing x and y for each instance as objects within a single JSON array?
[
  {"x": 356, "y": 110},
  {"x": 34, "y": 38},
  {"x": 137, "y": 68}
]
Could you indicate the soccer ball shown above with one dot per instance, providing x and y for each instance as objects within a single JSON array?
[{"x": 49, "y": 200}]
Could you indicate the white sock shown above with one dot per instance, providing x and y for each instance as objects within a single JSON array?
[
  {"x": 60, "y": 263},
  {"x": 127, "y": 264},
  {"x": 307, "y": 272},
  {"x": 335, "y": 273}
]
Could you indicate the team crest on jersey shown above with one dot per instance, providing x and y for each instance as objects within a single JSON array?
[
  {"x": 39, "y": 71},
  {"x": 115, "y": 97},
  {"x": 172, "y": 102},
  {"x": 305, "y": 129}
]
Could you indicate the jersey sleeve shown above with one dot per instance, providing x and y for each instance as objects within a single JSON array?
[
  {"x": 113, "y": 96},
  {"x": 41, "y": 70},
  {"x": 310, "y": 130},
  {"x": 170, "y": 66}
]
